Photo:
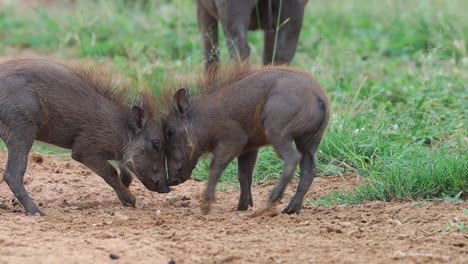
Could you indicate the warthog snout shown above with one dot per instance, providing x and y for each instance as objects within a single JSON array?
[
  {"x": 162, "y": 188},
  {"x": 151, "y": 183},
  {"x": 175, "y": 174},
  {"x": 156, "y": 186},
  {"x": 173, "y": 182},
  {"x": 178, "y": 177}
]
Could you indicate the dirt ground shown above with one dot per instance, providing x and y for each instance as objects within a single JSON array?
[{"x": 85, "y": 223}]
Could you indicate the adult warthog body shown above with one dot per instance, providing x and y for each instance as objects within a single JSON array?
[
  {"x": 275, "y": 106},
  {"x": 239, "y": 16},
  {"x": 78, "y": 108}
]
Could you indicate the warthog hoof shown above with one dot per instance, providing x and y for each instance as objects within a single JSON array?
[
  {"x": 35, "y": 211},
  {"x": 244, "y": 203},
  {"x": 129, "y": 201},
  {"x": 294, "y": 208},
  {"x": 205, "y": 207}
]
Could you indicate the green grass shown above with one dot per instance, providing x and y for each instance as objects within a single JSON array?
[
  {"x": 42, "y": 148},
  {"x": 396, "y": 72},
  {"x": 458, "y": 224}
]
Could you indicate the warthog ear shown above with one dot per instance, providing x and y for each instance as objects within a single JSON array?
[
  {"x": 139, "y": 119},
  {"x": 181, "y": 100}
]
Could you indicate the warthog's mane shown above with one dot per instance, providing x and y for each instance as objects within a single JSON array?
[
  {"x": 202, "y": 83},
  {"x": 92, "y": 78},
  {"x": 113, "y": 86},
  {"x": 212, "y": 81}
]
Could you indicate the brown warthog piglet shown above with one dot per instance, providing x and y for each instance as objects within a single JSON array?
[
  {"x": 81, "y": 108},
  {"x": 239, "y": 111}
]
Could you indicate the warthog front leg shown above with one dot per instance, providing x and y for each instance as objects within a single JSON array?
[
  {"x": 125, "y": 176},
  {"x": 223, "y": 154},
  {"x": 103, "y": 168},
  {"x": 217, "y": 166}
]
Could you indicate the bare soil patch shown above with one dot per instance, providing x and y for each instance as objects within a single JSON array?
[{"x": 85, "y": 223}]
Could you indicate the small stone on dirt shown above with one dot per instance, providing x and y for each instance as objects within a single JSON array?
[
  {"x": 394, "y": 222},
  {"x": 333, "y": 230},
  {"x": 158, "y": 212},
  {"x": 346, "y": 223},
  {"x": 185, "y": 204},
  {"x": 85, "y": 172},
  {"x": 458, "y": 244},
  {"x": 172, "y": 198},
  {"x": 108, "y": 211},
  {"x": 15, "y": 202},
  {"x": 114, "y": 256},
  {"x": 172, "y": 261},
  {"x": 121, "y": 216},
  {"x": 402, "y": 236},
  {"x": 413, "y": 255},
  {"x": 37, "y": 158},
  {"x": 230, "y": 258},
  {"x": 139, "y": 203}
]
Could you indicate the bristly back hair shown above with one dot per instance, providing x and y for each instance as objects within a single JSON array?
[
  {"x": 202, "y": 83},
  {"x": 91, "y": 77},
  {"x": 113, "y": 86}
]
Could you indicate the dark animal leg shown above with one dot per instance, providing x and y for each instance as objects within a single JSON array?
[
  {"x": 223, "y": 154},
  {"x": 307, "y": 175},
  {"x": 125, "y": 176},
  {"x": 208, "y": 27},
  {"x": 268, "y": 45},
  {"x": 278, "y": 115},
  {"x": 245, "y": 166},
  {"x": 110, "y": 175},
  {"x": 237, "y": 42},
  {"x": 217, "y": 167},
  {"x": 290, "y": 156},
  {"x": 288, "y": 34},
  {"x": 19, "y": 143},
  {"x": 235, "y": 20}
]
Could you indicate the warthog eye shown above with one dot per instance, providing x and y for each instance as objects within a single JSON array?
[
  {"x": 170, "y": 133},
  {"x": 156, "y": 144}
]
